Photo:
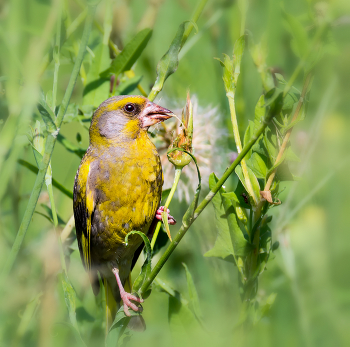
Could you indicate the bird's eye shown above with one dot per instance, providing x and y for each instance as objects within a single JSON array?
[{"x": 129, "y": 108}]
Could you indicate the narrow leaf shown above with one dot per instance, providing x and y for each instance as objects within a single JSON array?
[
  {"x": 192, "y": 291},
  {"x": 169, "y": 62},
  {"x": 230, "y": 239},
  {"x": 146, "y": 267},
  {"x": 128, "y": 56},
  {"x": 97, "y": 88}
]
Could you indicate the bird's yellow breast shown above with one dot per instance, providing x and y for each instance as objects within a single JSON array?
[{"x": 126, "y": 182}]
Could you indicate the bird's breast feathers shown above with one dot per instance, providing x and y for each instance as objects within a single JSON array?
[{"x": 122, "y": 186}]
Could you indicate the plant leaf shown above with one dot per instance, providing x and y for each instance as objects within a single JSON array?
[
  {"x": 254, "y": 181},
  {"x": 128, "y": 56},
  {"x": 118, "y": 327},
  {"x": 230, "y": 239},
  {"x": 97, "y": 88},
  {"x": 70, "y": 299},
  {"x": 192, "y": 291},
  {"x": 46, "y": 113},
  {"x": 146, "y": 267},
  {"x": 128, "y": 86},
  {"x": 169, "y": 62},
  {"x": 59, "y": 186}
]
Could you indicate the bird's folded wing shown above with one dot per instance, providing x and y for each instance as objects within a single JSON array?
[{"x": 84, "y": 205}]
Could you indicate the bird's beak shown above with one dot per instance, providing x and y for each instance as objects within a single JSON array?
[{"x": 153, "y": 114}]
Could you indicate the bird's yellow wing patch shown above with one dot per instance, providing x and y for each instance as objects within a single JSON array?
[
  {"x": 84, "y": 206},
  {"x": 90, "y": 205}
]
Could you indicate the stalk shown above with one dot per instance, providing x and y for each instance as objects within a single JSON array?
[
  {"x": 49, "y": 147},
  {"x": 196, "y": 14},
  {"x": 287, "y": 136},
  {"x": 186, "y": 224},
  {"x": 167, "y": 203}
]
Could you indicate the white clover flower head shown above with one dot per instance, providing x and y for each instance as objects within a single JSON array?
[{"x": 206, "y": 133}]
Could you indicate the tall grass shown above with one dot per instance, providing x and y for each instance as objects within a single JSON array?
[{"x": 279, "y": 82}]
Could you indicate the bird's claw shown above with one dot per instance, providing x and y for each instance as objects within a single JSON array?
[
  {"x": 126, "y": 297},
  {"x": 171, "y": 219}
]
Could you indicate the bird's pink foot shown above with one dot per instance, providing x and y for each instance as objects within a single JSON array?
[
  {"x": 171, "y": 219},
  {"x": 126, "y": 297}
]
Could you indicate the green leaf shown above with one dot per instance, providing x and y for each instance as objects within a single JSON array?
[
  {"x": 228, "y": 75},
  {"x": 49, "y": 212},
  {"x": 231, "y": 196},
  {"x": 128, "y": 86},
  {"x": 192, "y": 291},
  {"x": 254, "y": 181},
  {"x": 70, "y": 147},
  {"x": 71, "y": 113},
  {"x": 118, "y": 327},
  {"x": 290, "y": 100},
  {"x": 300, "y": 42},
  {"x": 182, "y": 321},
  {"x": 271, "y": 144},
  {"x": 97, "y": 88},
  {"x": 169, "y": 62},
  {"x": 146, "y": 267},
  {"x": 59, "y": 186},
  {"x": 128, "y": 56},
  {"x": 47, "y": 114},
  {"x": 260, "y": 112},
  {"x": 230, "y": 239},
  {"x": 70, "y": 299},
  {"x": 258, "y": 165},
  {"x": 238, "y": 53},
  {"x": 28, "y": 314}
]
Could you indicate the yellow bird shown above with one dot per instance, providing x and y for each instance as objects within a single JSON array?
[{"x": 118, "y": 189}]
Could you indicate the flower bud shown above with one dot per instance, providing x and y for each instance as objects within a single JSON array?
[{"x": 184, "y": 139}]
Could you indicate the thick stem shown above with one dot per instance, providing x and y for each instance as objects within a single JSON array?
[
  {"x": 186, "y": 224},
  {"x": 49, "y": 146},
  {"x": 167, "y": 204}
]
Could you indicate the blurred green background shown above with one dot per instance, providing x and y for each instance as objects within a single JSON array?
[{"x": 311, "y": 270}]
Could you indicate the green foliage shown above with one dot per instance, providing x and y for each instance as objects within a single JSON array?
[{"x": 53, "y": 75}]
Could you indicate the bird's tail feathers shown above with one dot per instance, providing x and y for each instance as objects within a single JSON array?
[{"x": 112, "y": 305}]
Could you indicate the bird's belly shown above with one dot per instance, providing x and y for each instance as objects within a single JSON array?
[{"x": 128, "y": 201}]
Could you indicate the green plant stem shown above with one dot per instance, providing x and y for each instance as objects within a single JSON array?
[
  {"x": 304, "y": 59},
  {"x": 52, "y": 203},
  {"x": 238, "y": 142},
  {"x": 196, "y": 14},
  {"x": 167, "y": 203},
  {"x": 67, "y": 229},
  {"x": 56, "y": 57},
  {"x": 204, "y": 203},
  {"x": 49, "y": 146},
  {"x": 289, "y": 131},
  {"x": 56, "y": 184}
]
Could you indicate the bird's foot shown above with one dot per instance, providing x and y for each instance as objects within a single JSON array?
[
  {"x": 126, "y": 297},
  {"x": 171, "y": 219}
]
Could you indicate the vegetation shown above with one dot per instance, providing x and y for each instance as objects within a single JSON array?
[{"x": 255, "y": 169}]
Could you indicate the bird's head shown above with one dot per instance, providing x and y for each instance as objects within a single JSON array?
[{"x": 122, "y": 118}]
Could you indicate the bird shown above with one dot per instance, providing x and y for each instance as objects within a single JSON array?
[{"x": 118, "y": 189}]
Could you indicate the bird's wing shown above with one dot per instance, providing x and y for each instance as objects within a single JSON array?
[{"x": 84, "y": 205}]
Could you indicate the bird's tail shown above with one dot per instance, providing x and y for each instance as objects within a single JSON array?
[{"x": 111, "y": 305}]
